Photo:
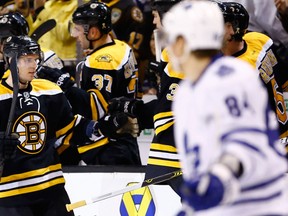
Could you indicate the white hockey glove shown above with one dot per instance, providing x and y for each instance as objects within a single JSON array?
[{"x": 219, "y": 186}]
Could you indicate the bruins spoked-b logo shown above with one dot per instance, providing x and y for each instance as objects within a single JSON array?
[{"x": 31, "y": 128}]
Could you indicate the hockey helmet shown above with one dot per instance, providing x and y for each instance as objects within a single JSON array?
[
  {"x": 205, "y": 22},
  {"x": 20, "y": 46},
  {"x": 162, "y": 6},
  {"x": 93, "y": 14},
  {"x": 237, "y": 15},
  {"x": 13, "y": 23}
]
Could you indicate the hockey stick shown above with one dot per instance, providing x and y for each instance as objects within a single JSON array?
[
  {"x": 157, "y": 45},
  {"x": 15, "y": 80},
  {"x": 14, "y": 73},
  {"x": 43, "y": 29},
  {"x": 145, "y": 183}
]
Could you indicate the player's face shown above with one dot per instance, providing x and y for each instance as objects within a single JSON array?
[
  {"x": 77, "y": 31},
  {"x": 228, "y": 34},
  {"x": 27, "y": 67},
  {"x": 156, "y": 19}
]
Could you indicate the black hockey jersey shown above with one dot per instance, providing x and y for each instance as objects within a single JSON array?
[
  {"x": 112, "y": 69},
  {"x": 163, "y": 156},
  {"x": 45, "y": 124}
]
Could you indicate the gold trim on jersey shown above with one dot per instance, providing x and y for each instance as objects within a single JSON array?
[
  {"x": 163, "y": 147},
  {"x": 30, "y": 189},
  {"x": 157, "y": 162},
  {"x": 64, "y": 135},
  {"x": 97, "y": 144},
  {"x": 163, "y": 155},
  {"x": 98, "y": 104},
  {"x": 162, "y": 121},
  {"x": 31, "y": 181}
]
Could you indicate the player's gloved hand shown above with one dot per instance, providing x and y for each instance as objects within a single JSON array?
[
  {"x": 113, "y": 126},
  {"x": 57, "y": 76},
  {"x": 156, "y": 67},
  {"x": 218, "y": 186},
  {"x": 126, "y": 105},
  {"x": 8, "y": 145}
]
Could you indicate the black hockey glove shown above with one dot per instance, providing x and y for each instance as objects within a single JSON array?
[
  {"x": 126, "y": 105},
  {"x": 113, "y": 126},
  {"x": 155, "y": 67},
  {"x": 57, "y": 76},
  {"x": 8, "y": 145}
]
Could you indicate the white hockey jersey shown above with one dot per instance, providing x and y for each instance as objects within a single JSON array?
[{"x": 226, "y": 111}]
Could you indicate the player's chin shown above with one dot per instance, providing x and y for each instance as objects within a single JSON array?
[{"x": 31, "y": 76}]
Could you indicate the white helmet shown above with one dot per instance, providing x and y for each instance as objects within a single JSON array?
[{"x": 201, "y": 24}]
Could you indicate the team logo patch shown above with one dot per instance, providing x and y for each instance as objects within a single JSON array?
[
  {"x": 138, "y": 202},
  {"x": 115, "y": 15},
  {"x": 137, "y": 14},
  {"x": 31, "y": 128},
  {"x": 104, "y": 58}
]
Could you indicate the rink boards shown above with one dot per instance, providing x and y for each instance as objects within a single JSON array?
[
  {"x": 87, "y": 182},
  {"x": 92, "y": 181}
]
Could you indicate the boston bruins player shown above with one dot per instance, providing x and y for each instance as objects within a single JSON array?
[
  {"x": 32, "y": 182},
  {"x": 14, "y": 24},
  {"x": 258, "y": 50},
  {"x": 163, "y": 156},
  {"x": 111, "y": 68},
  {"x": 129, "y": 24}
]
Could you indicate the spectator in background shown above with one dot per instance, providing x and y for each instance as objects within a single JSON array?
[
  {"x": 58, "y": 39},
  {"x": 282, "y": 8}
]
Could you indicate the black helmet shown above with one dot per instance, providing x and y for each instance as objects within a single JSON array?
[
  {"x": 237, "y": 15},
  {"x": 13, "y": 23},
  {"x": 93, "y": 14},
  {"x": 162, "y": 6},
  {"x": 21, "y": 45}
]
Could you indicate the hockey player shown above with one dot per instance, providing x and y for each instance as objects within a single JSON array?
[
  {"x": 129, "y": 24},
  {"x": 163, "y": 157},
  {"x": 10, "y": 24},
  {"x": 110, "y": 69},
  {"x": 258, "y": 50},
  {"x": 14, "y": 24},
  {"x": 225, "y": 132},
  {"x": 32, "y": 183}
]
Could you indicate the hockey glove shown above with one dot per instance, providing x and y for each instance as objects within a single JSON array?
[
  {"x": 8, "y": 145},
  {"x": 57, "y": 76},
  {"x": 217, "y": 187},
  {"x": 156, "y": 67},
  {"x": 113, "y": 126},
  {"x": 126, "y": 105}
]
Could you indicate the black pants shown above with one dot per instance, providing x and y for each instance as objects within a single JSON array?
[{"x": 55, "y": 207}]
